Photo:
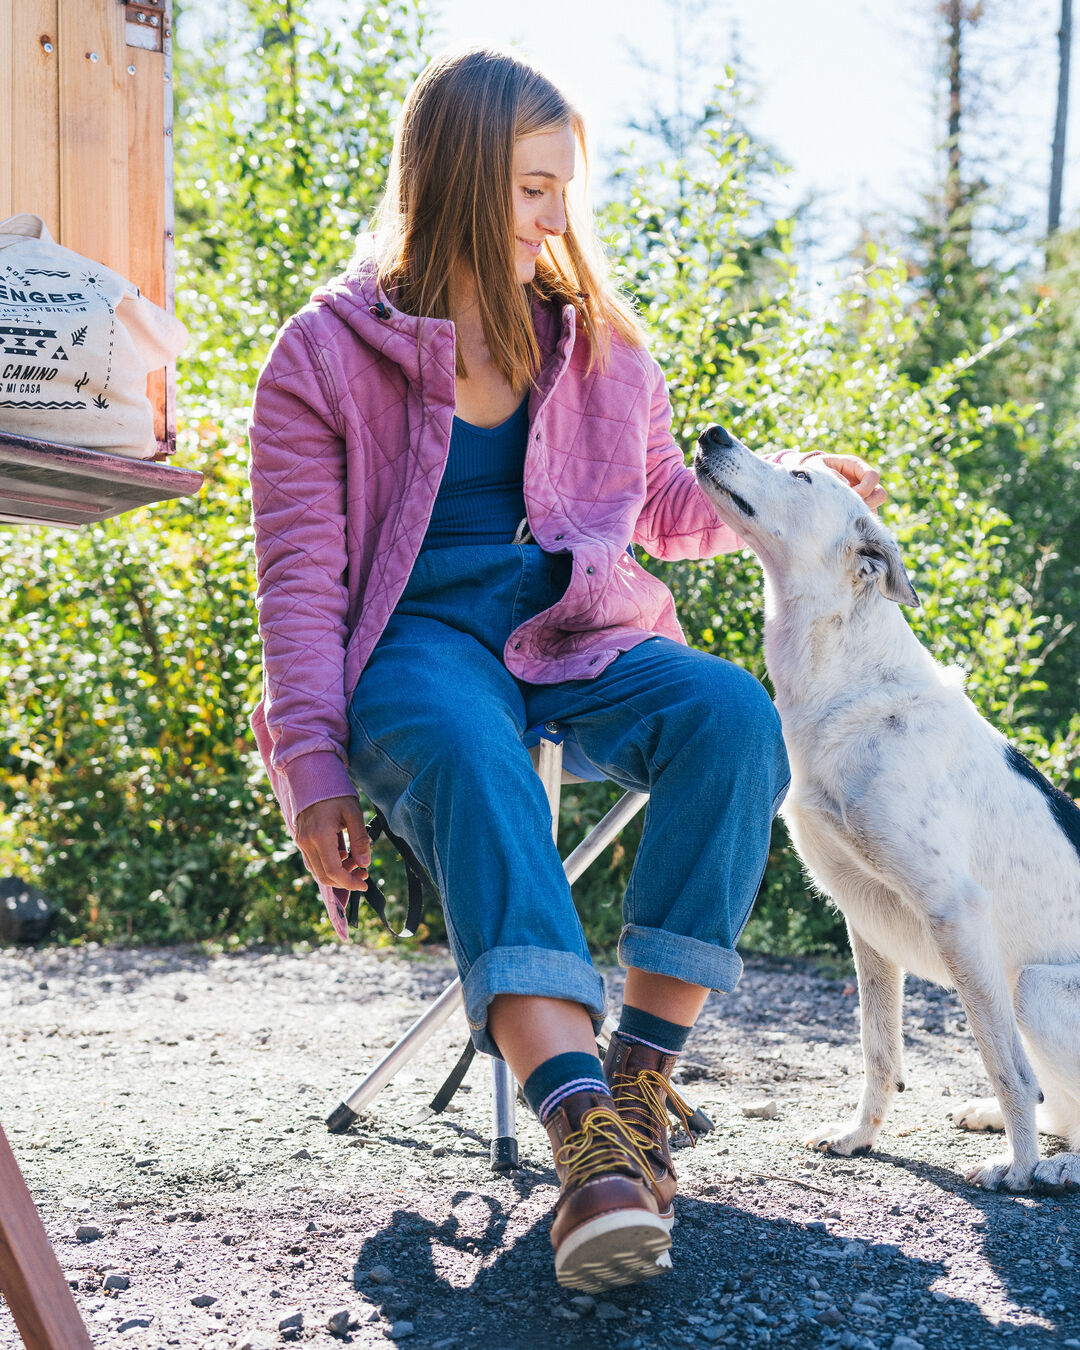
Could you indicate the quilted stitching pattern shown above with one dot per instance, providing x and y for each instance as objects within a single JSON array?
[{"x": 349, "y": 436}]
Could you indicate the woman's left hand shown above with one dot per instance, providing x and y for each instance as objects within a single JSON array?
[{"x": 860, "y": 476}]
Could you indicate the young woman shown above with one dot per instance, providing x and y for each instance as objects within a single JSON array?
[{"x": 454, "y": 447}]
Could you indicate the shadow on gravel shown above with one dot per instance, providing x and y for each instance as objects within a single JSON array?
[
  {"x": 469, "y": 1282},
  {"x": 1013, "y": 1223}
]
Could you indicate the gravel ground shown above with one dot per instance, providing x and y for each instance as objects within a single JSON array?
[{"x": 172, "y": 1103}]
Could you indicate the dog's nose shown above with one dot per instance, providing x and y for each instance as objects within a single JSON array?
[{"x": 716, "y": 438}]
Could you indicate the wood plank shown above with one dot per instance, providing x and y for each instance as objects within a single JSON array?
[
  {"x": 146, "y": 167},
  {"x": 35, "y": 112},
  {"x": 32, "y": 1282},
  {"x": 93, "y": 133},
  {"x": 6, "y": 60},
  {"x": 146, "y": 91}
]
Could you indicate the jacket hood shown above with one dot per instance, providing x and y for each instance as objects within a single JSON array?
[{"x": 358, "y": 300}]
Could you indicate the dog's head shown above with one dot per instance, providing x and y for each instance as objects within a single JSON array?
[{"x": 802, "y": 522}]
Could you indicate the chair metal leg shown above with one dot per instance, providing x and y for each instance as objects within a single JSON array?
[
  {"x": 602, "y": 833},
  {"x": 421, "y": 1031},
  {"x": 504, "y": 1145}
]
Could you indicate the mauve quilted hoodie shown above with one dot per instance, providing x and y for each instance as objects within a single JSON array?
[{"x": 349, "y": 437}]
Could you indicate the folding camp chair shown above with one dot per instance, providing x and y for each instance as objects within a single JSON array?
[{"x": 558, "y": 760}]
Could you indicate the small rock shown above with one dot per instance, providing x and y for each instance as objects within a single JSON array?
[
  {"x": 338, "y": 1323},
  {"x": 134, "y": 1323},
  {"x": 203, "y": 1300},
  {"x": 567, "y": 1314},
  {"x": 831, "y": 1317},
  {"x": 400, "y": 1330},
  {"x": 607, "y": 1312},
  {"x": 301, "y": 1155},
  {"x": 902, "y": 1342},
  {"x": 438, "y": 1151},
  {"x": 251, "y": 1340},
  {"x": 293, "y": 1321},
  {"x": 854, "y": 1249},
  {"x": 379, "y": 1275},
  {"x": 88, "y": 1232},
  {"x": 583, "y": 1303},
  {"x": 713, "y": 1333},
  {"x": 763, "y": 1110},
  {"x": 117, "y": 1282}
]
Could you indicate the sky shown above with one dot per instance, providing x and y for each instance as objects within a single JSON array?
[{"x": 843, "y": 90}]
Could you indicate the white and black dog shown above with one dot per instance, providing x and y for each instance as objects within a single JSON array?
[{"x": 948, "y": 853}]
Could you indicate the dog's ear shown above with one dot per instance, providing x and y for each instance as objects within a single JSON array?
[{"x": 877, "y": 559}]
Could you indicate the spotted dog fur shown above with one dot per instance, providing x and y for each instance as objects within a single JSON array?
[{"x": 948, "y": 853}]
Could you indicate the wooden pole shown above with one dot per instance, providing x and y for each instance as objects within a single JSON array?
[{"x": 30, "y": 1278}]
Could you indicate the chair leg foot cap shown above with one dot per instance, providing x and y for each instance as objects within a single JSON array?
[{"x": 339, "y": 1120}]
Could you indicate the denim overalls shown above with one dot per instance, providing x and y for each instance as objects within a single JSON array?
[{"x": 436, "y": 725}]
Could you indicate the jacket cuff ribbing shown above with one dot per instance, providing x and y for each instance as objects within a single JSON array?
[{"x": 315, "y": 777}]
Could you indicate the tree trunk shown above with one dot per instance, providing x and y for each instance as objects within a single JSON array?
[
  {"x": 1057, "y": 157},
  {"x": 954, "y": 189}
]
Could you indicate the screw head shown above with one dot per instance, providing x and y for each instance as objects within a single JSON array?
[
  {"x": 46, "y": 45},
  {"x": 131, "y": 70},
  {"x": 92, "y": 56}
]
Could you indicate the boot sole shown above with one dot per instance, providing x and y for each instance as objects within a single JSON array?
[{"x": 614, "y": 1249}]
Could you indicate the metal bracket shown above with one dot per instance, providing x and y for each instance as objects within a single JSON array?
[{"x": 144, "y": 24}]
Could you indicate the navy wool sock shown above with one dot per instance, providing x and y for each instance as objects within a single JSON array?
[
  {"x": 550, "y": 1082},
  {"x": 643, "y": 1027}
]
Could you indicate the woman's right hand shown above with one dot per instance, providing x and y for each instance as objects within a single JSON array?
[{"x": 321, "y": 832}]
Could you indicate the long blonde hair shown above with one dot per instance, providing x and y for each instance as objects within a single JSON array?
[{"x": 449, "y": 202}]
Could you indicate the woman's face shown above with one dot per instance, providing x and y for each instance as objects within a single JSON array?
[{"x": 543, "y": 165}]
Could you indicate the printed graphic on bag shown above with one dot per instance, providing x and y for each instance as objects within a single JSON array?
[{"x": 76, "y": 343}]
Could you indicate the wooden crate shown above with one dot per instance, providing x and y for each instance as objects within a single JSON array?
[{"x": 86, "y": 140}]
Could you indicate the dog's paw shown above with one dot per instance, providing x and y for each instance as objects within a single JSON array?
[
  {"x": 1002, "y": 1174},
  {"x": 1058, "y": 1175},
  {"x": 982, "y": 1113},
  {"x": 843, "y": 1138}
]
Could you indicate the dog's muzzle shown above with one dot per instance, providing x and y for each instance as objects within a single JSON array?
[{"x": 715, "y": 451}]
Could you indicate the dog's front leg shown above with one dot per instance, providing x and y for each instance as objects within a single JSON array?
[{"x": 881, "y": 987}]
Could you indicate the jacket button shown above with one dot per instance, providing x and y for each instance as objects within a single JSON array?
[
  {"x": 590, "y": 570},
  {"x": 559, "y": 536},
  {"x": 594, "y": 661},
  {"x": 380, "y": 310},
  {"x": 516, "y": 645},
  {"x": 536, "y": 437}
]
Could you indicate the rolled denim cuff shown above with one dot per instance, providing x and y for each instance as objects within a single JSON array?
[
  {"x": 685, "y": 958},
  {"x": 528, "y": 970}
]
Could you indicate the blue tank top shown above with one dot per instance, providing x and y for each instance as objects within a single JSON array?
[{"x": 481, "y": 498}]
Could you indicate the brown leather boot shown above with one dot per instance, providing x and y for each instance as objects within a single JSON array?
[
  {"x": 606, "y": 1230},
  {"x": 638, "y": 1077}
]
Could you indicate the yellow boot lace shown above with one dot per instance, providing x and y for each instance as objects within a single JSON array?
[
  {"x": 641, "y": 1099},
  {"x": 601, "y": 1143}
]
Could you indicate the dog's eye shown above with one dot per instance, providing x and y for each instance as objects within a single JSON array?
[{"x": 800, "y": 473}]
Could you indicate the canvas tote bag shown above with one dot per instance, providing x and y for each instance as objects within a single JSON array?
[{"x": 76, "y": 343}]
